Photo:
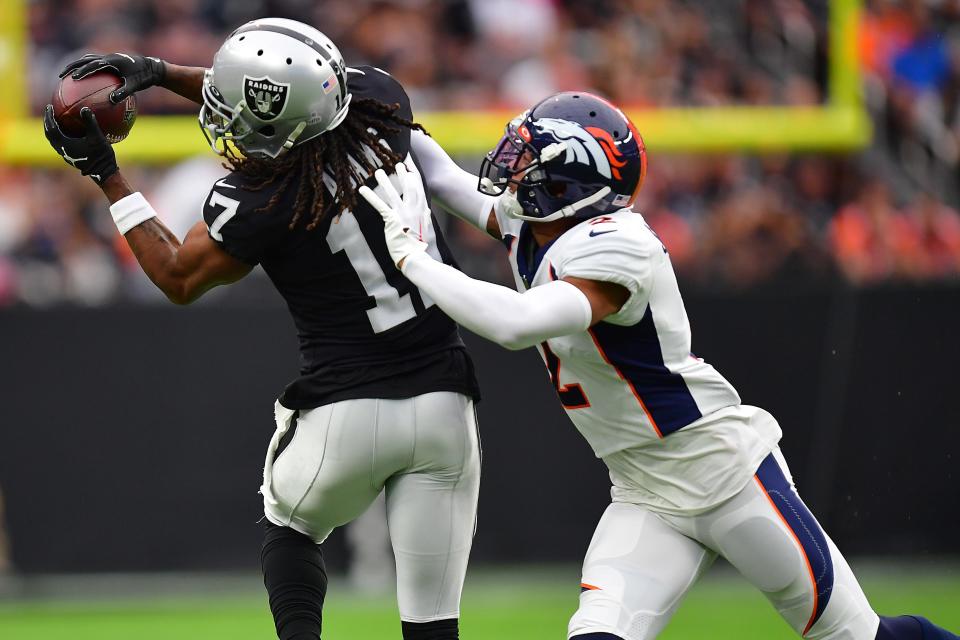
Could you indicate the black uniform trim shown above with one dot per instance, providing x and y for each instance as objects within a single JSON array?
[
  {"x": 287, "y": 437},
  {"x": 446, "y": 370}
]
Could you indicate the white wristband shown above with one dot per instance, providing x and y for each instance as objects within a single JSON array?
[{"x": 130, "y": 211}]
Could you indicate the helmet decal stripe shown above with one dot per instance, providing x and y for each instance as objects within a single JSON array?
[
  {"x": 313, "y": 44},
  {"x": 254, "y": 26}
]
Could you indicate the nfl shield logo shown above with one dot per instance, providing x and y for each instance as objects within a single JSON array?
[{"x": 265, "y": 97}]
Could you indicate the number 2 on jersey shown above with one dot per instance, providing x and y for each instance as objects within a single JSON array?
[{"x": 571, "y": 395}]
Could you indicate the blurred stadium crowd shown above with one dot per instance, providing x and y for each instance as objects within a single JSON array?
[{"x": 888, "y": 213}]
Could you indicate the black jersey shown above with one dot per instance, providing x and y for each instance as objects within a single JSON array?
[{"x": 365, "y": 331}]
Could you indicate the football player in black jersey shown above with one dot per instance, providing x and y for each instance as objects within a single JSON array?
[{"x": 385, "y": 399}]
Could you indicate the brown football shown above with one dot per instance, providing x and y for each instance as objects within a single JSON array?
[{"x": 71, "y": 96}]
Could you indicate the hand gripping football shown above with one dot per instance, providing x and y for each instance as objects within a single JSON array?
[{"x": 71, "y": 96}]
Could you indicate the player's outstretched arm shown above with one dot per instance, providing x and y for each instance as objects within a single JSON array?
[
  {"x": 182, "y": 271},
  {"x": 139, "y": 73},
  {"x": 512, "y": 319},
  {"x": 184, "y": 81},
  {"x": 454, "y": 188}
]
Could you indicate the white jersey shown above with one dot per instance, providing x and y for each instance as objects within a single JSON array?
[{"x": 669, "y": 426}]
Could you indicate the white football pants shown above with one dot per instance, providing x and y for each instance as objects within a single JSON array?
[
  {"x": 640, "y": 564},
  {"x": 423, "y": 451}
]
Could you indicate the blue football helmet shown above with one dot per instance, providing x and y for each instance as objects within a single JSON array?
[{"x": 572, "y": 155}]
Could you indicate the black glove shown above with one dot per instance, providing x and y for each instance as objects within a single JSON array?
[
  {"x": 138, "y": 72},
  {"x": 92, "y": 154}
]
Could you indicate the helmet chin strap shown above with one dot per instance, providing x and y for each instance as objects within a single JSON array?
[
  {"x": 566, "y": 212},
  {"x": 292, "y": 138}
]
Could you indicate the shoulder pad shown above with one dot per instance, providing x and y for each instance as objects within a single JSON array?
[
  {"x": 617, "y": 248},
  {"x": 371, "y": 82},
  {"x": 234, "y": 222}
]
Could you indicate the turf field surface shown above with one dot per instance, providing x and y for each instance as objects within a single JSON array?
[{"x": 527, "y": 604}]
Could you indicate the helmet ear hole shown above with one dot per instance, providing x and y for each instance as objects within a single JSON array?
[{"x": 267, "y": 131}]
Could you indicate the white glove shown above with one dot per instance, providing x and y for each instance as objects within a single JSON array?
[{"x": 402, "y": 240}]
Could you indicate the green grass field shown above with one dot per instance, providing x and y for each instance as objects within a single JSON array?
[{"x": 499, "y": 606}]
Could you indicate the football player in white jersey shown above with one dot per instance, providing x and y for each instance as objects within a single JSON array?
[{"x": 696, "y": 474}]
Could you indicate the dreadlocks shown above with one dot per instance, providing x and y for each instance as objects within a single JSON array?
[{"x": 356, "y": 137}]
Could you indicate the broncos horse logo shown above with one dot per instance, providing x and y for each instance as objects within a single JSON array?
[
  {"x": 586, "y": 145},
  {"x": 616, "y": 159}
]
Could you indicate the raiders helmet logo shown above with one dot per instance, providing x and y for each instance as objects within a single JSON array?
[{"x": 266, "y": 98}]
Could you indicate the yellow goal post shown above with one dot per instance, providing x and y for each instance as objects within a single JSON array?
[{"x": 840, "y": 124}]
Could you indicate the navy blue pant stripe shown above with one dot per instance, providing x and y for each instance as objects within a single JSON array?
[{"x": 807, "y": 530}]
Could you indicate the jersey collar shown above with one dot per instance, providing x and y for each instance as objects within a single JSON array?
[{"x": 529, "y": 256}]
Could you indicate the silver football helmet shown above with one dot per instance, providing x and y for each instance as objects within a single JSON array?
[{"x": 274, "y": 83}]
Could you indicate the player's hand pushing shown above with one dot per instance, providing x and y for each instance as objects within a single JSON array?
[
  {"x": 92, "y": 154},
  {"x": 404, "y": 217},
  {"x": 138, "y": 72}
]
